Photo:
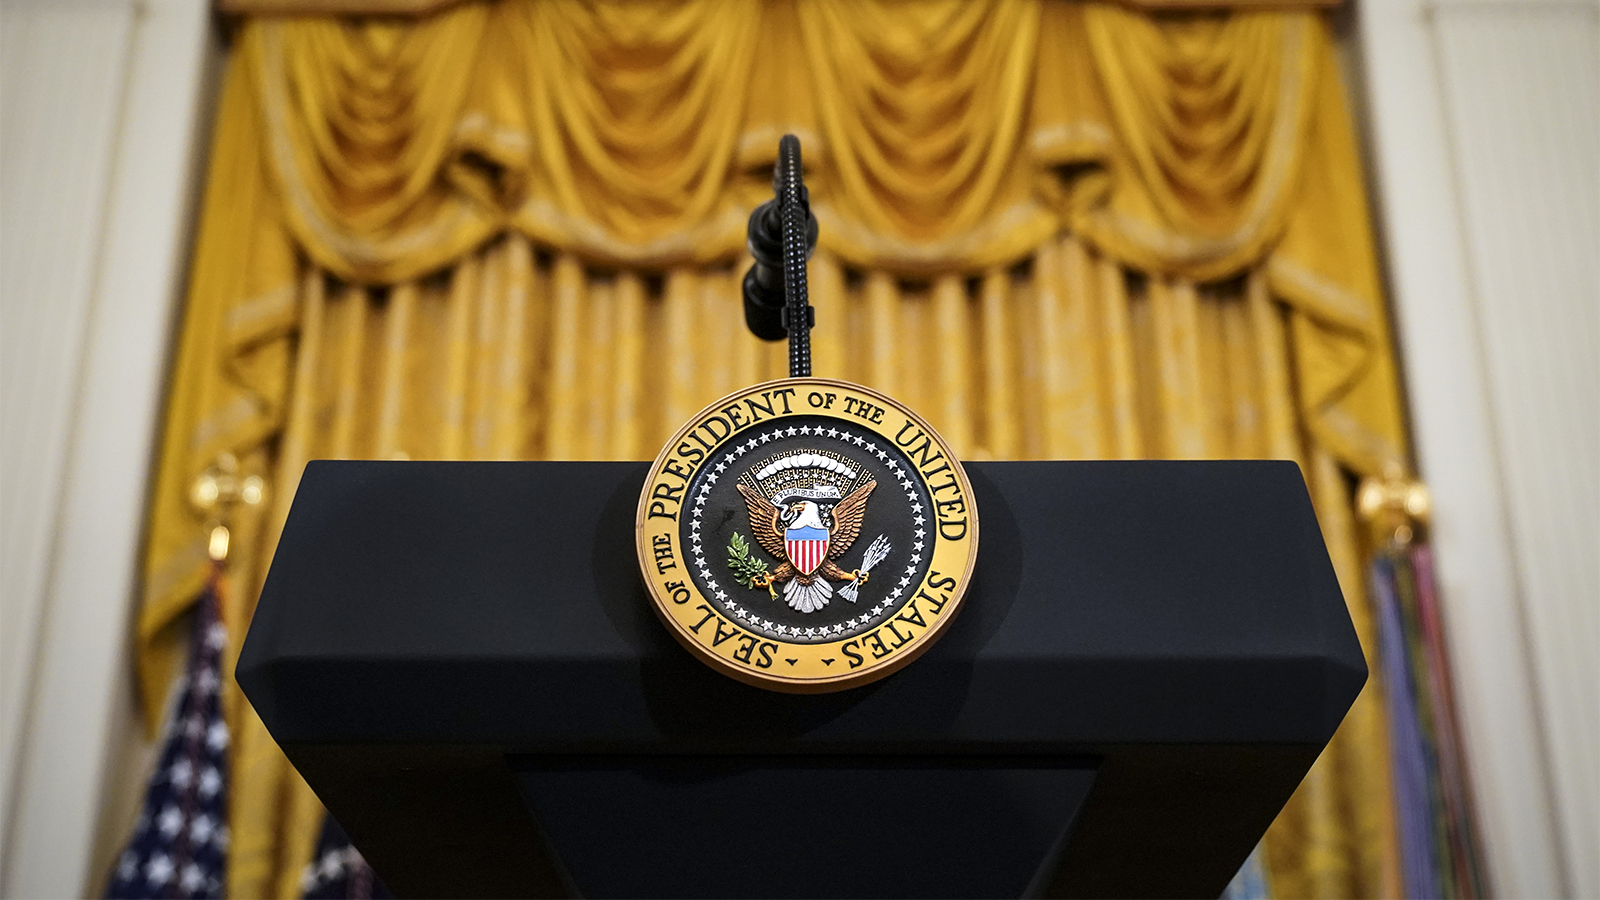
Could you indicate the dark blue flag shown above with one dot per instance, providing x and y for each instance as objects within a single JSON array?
[
  {"x": 179, "y": 846},
  {"x": 338, "y": 872}
]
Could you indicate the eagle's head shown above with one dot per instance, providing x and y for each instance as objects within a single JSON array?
[{"x": 804, "y": 513}]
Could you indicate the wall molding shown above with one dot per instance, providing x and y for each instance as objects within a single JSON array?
[
  {"x": 77, "y": 685},
  {"x": 1431, "y": 135},
  {"x": 63, "y": 77}
]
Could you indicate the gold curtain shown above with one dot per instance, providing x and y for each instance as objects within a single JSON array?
[{"x": 1060, "y": 230}]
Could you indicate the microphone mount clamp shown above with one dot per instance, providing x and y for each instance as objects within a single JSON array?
[{"x": 781, "y": 237}]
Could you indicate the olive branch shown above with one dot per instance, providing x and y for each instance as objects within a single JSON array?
[{"x": 745, "y": 567}]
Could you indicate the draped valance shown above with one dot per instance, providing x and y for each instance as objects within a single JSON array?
[{"x": 641, "y": 134}]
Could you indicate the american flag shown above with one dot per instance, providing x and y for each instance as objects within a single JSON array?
[
  {"x": 179, "y": 846},
  {"x": 338, "y": 871}
]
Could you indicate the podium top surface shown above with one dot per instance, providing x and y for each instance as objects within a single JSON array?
[{"x": 500, "y": 603}]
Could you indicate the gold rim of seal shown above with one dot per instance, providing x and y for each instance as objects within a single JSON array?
[{"x": 903, "y": 655}]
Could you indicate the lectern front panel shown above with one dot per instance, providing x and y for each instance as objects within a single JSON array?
[{"x": 454, "y": 655}]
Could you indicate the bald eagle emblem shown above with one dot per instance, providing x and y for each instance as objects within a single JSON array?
[{"x": 806, "y": 509}]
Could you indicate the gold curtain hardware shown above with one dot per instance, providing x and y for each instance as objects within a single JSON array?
[
  {"x": 1394, "y": 506},
  {"x": 216, "y": 491}
]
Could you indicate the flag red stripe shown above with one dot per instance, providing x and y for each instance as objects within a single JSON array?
[{"x": 807, "y": 555}]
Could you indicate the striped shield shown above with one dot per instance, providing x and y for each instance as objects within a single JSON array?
[{"x": 807, "y": 547}]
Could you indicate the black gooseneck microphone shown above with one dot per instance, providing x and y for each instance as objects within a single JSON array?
[{"x": 781, "y": 237}]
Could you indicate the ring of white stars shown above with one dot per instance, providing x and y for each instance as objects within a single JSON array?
[{"x": 811, "y": 634}]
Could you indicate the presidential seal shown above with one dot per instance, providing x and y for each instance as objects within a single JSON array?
[{"x": 806, "y": 535}]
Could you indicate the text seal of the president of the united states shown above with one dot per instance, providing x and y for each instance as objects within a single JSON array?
[{"x": 807, "y": 535}]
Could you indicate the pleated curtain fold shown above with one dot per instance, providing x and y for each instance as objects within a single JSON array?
[{"x": 514, "y": 231}]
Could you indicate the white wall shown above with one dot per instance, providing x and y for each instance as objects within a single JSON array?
[
  {"x": 1485, "y": 130},
  {"x": 98, "y": 113},
  {"x": 61, "y": 78}
]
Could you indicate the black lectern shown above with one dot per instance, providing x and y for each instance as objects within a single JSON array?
[{"x": 459, "y": 659}]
